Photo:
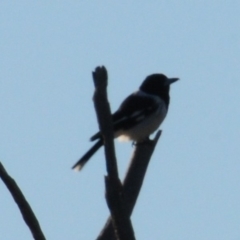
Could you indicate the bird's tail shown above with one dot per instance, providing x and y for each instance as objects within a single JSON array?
[{"x": 83, "y": 160}]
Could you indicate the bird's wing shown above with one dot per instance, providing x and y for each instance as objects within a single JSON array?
[{"x": 132, "y": 111}]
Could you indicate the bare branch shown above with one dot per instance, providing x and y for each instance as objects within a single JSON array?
[
  {"x": 104, "y": 119},
  {"x": 121, "y": 221},
  {"x": 133, "y": 181},
  {"x": 23, "y": 205}
]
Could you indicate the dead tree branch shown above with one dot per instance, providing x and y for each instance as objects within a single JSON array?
[
  {"x": 114, "y": 191},
  {"x": 24, "y": 207},
  {"x": 133, "y": 181}
]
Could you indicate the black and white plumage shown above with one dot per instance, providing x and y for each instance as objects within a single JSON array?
[{"x": 139, "y": 115}]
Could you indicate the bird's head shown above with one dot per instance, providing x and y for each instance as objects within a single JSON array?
[{"x": 157, "y": 84}]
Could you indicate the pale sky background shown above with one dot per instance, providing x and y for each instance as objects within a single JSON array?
[{"x": 48, "y": 50}]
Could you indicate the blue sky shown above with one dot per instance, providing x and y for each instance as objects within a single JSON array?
[{"x": 48, "y": 50}]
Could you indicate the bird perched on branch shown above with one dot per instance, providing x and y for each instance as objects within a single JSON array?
[{"x": 139, "y": 115}]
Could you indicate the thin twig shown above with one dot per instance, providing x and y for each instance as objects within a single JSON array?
[{"x": 24, "y": 207}]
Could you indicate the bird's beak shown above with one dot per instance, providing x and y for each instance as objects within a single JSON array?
[{"x": 172, "y": 80}]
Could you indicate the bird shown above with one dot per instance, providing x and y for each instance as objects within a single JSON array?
[{"x": 138, "y": 116}]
